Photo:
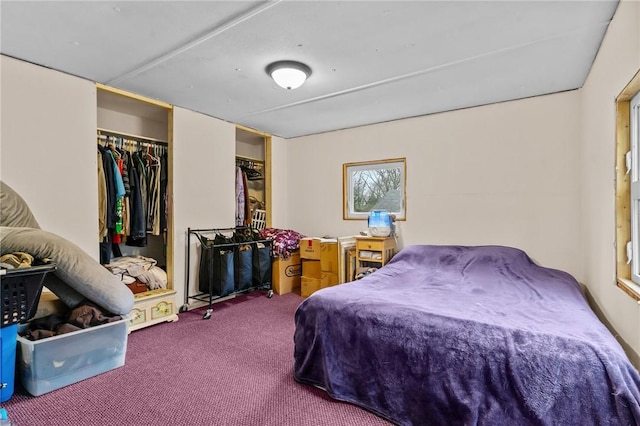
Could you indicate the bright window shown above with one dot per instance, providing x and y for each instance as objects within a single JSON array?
[
  {"x": 635, "y": 186},
  {"x": 374, "y": 185}
]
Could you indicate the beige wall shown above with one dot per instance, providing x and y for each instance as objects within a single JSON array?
[
  {"x": 280, "y": 183},
  {"x": 503, "y": 174},
  {"x": 48, "y": 150},
  {"x": 617, "y": 61},
  {"x": 203, "y": 185}
]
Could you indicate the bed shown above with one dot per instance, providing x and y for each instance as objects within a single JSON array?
[{"x": 454, "y": 335}]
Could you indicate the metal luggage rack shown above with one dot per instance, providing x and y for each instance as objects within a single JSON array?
[{"x": 209, "y": 297}]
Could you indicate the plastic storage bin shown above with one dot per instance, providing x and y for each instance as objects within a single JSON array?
[
  {"x": 8, "y": 339},
  {"x": 54, "y": 362}
]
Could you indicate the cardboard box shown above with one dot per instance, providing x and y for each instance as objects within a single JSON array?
[
  {"x": 311, "y": 268},
  {"x": 329, "y": 257},
  {"x": 329, "y": 279},
  {"x": 54, "y": 362},
  {"x": 323, "y": 249},
  {"x": 310, "y": 286},
  {"x": 310, "y": 248},
  {"x": 286, "y": 274},
  {"x": 50, "y": 304}
]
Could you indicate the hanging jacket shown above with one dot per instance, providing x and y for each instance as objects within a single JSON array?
[
  {"x": 137, "y": 225},
  {"x": 107, "y": 164}
]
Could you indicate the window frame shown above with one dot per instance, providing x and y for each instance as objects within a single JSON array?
[
  {"x": 623, "y": 189},
  {"x": 347, "y": 186}
]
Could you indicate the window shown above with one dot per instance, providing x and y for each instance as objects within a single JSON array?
[
  {"x": 628, "y": 188},
  {"x": 634, "y": 127},
  {"x": 374, "y": 185}
]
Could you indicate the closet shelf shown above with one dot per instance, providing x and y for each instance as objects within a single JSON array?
[
  {"x": 253, "y": 160},
  {"x": 113, "y": 133}
]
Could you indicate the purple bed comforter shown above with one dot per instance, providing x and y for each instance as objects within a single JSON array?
[{"x": 452, "y": 335}]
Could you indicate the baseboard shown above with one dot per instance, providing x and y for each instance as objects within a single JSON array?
[{"x": 633, "y": 356}]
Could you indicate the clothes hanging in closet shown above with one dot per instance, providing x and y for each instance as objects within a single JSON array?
[
  {"x": 164, "y": 181},
  {"x": 108, "y": 216},
  {"x": 137, "y": 223},
  {"x": 132, "y": 185},
  {"x": 108, "y": 189},
  {"x": 243, "y": 206},
  {"x": 102, "y": 199},
  {"x": 247, "y": 203},
  {"x": 241, "y": 197},
  {"x": 153, "y": 207}
]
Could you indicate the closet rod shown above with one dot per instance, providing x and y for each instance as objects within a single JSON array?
[
  {"x": 104, "y": 133},
  {"x": 253, "y": 160}
]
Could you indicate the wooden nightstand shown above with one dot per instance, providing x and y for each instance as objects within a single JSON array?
[{"x": 374, "y": 251}]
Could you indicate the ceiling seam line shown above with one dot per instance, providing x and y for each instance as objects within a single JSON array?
[
  {"x": 415, "y": 73},
  {"x": 212, "y": 33}
]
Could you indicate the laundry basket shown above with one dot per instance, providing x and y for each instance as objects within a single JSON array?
[
  {"x": 21, "y": 289},
  {"x": 259, "y": 219}
]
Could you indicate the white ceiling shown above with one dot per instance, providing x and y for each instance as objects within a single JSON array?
[{"x": 372, "y": 61}]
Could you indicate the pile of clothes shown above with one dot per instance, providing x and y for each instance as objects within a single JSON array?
[
  {"x": 83, "y": 316},
  {"x": 138, "y": 268},
  {"x": 284, "y": 241},
  {"x": 16, "y": 260},
  {"x": 364, "y": 271}
]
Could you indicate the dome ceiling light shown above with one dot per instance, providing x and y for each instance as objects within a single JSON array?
[{"x": 288, "y": 74}]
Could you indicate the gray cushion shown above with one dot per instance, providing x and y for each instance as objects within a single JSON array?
[
  {"x": 14, "y": 211},
  {"x": 74, "y": 267}
]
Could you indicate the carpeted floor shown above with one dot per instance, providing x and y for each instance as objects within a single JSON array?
[{"x": 233, "y": 369}]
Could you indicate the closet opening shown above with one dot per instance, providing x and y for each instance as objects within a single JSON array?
[
  {"x": 135, "y": 220},
  {"x": 253, "y": 178}
]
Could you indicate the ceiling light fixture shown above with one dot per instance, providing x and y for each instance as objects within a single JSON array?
[{"x": 288, "y": 74}]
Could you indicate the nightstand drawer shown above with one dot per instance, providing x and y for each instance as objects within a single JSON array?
[{"x": 370, "y": 245}]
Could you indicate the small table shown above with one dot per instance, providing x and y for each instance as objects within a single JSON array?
[{"x": 374, "y": 252}]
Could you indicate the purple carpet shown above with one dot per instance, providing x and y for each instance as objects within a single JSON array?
[{"x": 233, "y": 369}]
